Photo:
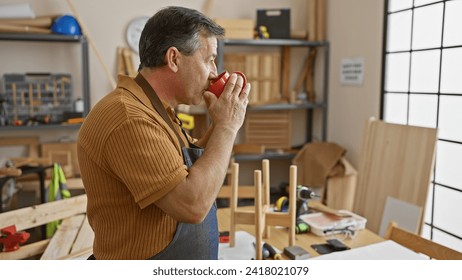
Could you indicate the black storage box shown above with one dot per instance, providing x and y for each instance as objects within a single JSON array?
[{"x": 276, "y": 21}]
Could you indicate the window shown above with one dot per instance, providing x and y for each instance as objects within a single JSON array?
[{"x": 422, "y": 86}]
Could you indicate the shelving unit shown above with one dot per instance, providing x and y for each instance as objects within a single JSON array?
[
  {"x": 308, "y": 106},
  {"x": 55, "y": 38}
]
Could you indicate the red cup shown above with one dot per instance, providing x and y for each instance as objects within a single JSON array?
[{"x": 218, "y": 85}]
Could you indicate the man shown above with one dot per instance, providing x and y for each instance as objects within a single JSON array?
[{"x": 145, "y": 199}]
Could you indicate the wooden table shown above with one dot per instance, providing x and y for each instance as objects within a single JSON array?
[{"x": 279, "y": 237}]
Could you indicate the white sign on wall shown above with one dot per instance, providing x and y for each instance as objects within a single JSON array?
[{"x": 352, "y": 71}]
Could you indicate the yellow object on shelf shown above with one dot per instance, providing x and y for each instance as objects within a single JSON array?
[{"x": 186, "y": 120}]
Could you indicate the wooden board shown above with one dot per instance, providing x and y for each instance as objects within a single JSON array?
[
  {"x": 84, "y": 239},
  {"x": 396, "y": 160},
  {"x": 41, "y": 214},
  {"x": 273, "y": 129},
  {"x": 311, "y": 19},
  {"x": 262, "y": 71},
  {"x": 63, "y": 239},
  {"x": 72, "y": 233}
]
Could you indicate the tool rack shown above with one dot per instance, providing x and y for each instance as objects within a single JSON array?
[
  {"x": 41, "y": 96},
  {"x": 63, "y": 99}
]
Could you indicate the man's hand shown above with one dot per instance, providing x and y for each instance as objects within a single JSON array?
[{"x": 228, "y": 111}]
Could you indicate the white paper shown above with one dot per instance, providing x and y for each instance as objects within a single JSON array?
[{"x": 352, "y": 71}]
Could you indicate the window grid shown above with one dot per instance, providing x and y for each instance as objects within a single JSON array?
[{"x": 441, "y": 48}]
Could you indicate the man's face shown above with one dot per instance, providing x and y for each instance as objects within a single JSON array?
[{"x": 197, "y": 71}]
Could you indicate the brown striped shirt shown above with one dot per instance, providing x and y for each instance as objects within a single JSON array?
[{"x": 129, "y": 158}]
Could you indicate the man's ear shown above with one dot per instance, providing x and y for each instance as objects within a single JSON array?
[{"x": 172, "y": 57}]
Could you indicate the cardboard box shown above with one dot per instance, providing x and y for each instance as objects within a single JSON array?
[
  {"x": 237, "y": 28},
  {"x": 340, "y": 190}
]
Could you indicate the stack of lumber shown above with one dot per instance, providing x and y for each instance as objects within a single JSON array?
[
  {"x": 72, "y": 240},
  {"x": 41, "y": 24}
]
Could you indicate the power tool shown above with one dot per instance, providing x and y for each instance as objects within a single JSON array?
[{"x": 303, "y": 194}]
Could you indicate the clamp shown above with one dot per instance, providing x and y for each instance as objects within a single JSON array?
[{"x": 11, "y": 239}]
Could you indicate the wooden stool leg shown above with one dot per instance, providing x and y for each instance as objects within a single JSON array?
[
  {"x": 292, "y": 203},
  {"x": 266, "y": 189},
  {"x": 233, "y": 203},
  {"x": 259, "y": 215}
]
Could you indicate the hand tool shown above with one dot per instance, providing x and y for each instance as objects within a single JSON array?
[
  {"x": 265, "y": 252},
  {"x": 63, "y": 82},
  {"x": 223, "y": 237},
  {"x": 11, "y": 239},
  {"x": 23, "y": 99},
  {"x": 15, "y": 106},
  {"x": 272, "y": 252},
  {"x": 55, "y": 93},
  {"x": 39, "y": 97},
  {"x": 31, "y": 100}
]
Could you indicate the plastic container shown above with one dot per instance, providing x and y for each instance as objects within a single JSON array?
[{"x": 323, "y": 224}]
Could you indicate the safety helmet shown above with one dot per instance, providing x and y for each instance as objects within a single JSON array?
[{"x": 66, "y": 25}]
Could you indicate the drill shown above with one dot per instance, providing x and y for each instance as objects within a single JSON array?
[{"x": 303, "y": 193}]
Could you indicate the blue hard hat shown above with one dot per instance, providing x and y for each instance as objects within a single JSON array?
[{"x": 66, "y": 25}]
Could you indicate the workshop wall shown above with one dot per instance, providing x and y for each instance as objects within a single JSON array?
[{"x": 354, "y": 29}]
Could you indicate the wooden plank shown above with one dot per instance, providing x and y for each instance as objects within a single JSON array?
[
  {"x": 278, "y": 219},
  {"x": 61, "y": 242},
  {"x": 34, "y": 216},
  {"x": 259, "y": 214},
  {"x": 26, "y": 251},
  {"x": 120, "y": 62},
  {"x": 420, "y": 244},
  {"x": 242, "y": 217},
  {"x": 84, "y": 239},
  {"x": 396, "y": 160},
  {"x": 272, "y": 129},
  {"x": 41, "y": 21},
  {"x": 285, "y": 75},
  {"x": 311, "y": 19},
  {"x": 309, "y": 81},
  {"x": 243, "y": 192},
  {"x": 84, "y": 254},
  {"x": 321, "y": 20}
]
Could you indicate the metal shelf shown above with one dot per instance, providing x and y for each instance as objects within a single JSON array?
[
  {"x": 272, "y": 42},
  {"x": 41, "y": 37},
  {"x": 267, "y": 155},
  {"x": 56, "y": 38},
  {"x": 40, "y": 127},
  {"x": 309, "y": 107},
  {"x": 286, "y": 106}
]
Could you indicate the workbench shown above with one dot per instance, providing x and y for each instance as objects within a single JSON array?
[{"x": 279, "y": 236}]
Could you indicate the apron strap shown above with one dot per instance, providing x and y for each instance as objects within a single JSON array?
[{"x": 157, "y": 104}]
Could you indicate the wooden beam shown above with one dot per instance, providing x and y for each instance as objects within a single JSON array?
[
  {"x": 84, "y": 239},
  {"x": 286, "y": 65},
  {"x": 26, "y": 251},
  {"x": 34, "y": 216},
  {"x": 243, "y": 192},
  {"x": 61, "y": 242}
]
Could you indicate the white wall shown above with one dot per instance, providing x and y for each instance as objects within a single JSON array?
[{"x": 354, "y": 30}]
